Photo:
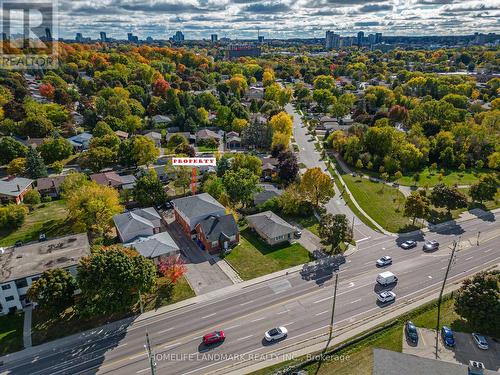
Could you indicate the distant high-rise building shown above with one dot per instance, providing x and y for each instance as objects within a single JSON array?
[
  {"x": 236, "y": 51},
  {"x": 4, "y": 36},
  {"x": 361, "y": 37},
  {"x": 79, "y": 37},
  {"x": 214, "y": 38},
  {"x": 378, "y": 38},
  {"x": 48, "y": 34},
  {"x": 332, "y": 40},
  {"x": 371, "y": 39},
  {"x": 178, "y": 37},
  {"x": 102, "y": 34},
  {"x": 261, "y": 39}
]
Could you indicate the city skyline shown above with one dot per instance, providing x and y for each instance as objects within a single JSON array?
[{"x": 198, "y": 19}]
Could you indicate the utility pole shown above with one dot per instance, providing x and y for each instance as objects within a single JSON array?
[
  {"x": 478, "y": 234},
  {"x": 333, "y": 305},
  {"x": 147, "y": 346},
  {"x": 441, "y": 295}
]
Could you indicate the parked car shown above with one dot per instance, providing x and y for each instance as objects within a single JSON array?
[
  {"x": 42, "y": 237},
  {"x": 386, "y": 278},
  {"x": 214, "y": 337},
  {"x": 476, "y": 368},
  {"x": 297, "y": 234},
  {"x": 411, "y": 332},
  {"x": 277, "y": 333},
  {"x": 447, "y": 335},
  {"x": 481, "y": 341},
  {"x": 409, "y": 244},
  {"x": 168, "y": 205},
  {"x": 18, "y": 244},
  {"x": 431, "y": 245},
  {"x": 384, "y": 261},
  {"x": 386, "y": 296}
]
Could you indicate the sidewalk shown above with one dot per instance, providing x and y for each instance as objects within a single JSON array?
[{"x": 27, "y": 327}]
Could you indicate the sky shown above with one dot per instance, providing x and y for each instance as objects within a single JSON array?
[{"x": 197, "y": 19}]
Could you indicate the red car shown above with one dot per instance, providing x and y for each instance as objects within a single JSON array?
[{"x": 214, "y": 337}]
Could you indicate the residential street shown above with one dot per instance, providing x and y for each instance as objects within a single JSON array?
[{"x": 245, "y": 311}]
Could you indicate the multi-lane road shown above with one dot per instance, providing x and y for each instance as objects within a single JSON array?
[
  {"x": 301, "y": 301},
  {"x": 303, "y": 305}
]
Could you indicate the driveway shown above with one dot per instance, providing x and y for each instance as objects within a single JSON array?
[
  {"x": 465, "y": 349},
  {"x": 203, "y": 273}
]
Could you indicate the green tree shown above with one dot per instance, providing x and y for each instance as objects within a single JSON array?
[
  {"x": 143, "y": 150},
  {"x": 214, "y": 186},
  {"x": 12, "y": 216},
  {"x": 335, "y": 230},
  {"x": 478, "y": 301},
  {"x": 35, "y": 167},
  {"x": 176, "y": 140},
  {"x": 72, "y": 182},
  {"x": 485, "y": 189},
  {"x": 53, "y": 291},
  {"x": 240, "y": 185},
  {"x": 32, "y": 197},
  {"x": 417, "y": 205},
  {"x": 112, "y": 278},
  {"x": 55, "y": 149},
  {"x": 11, "y": 149},
  {"x": 149, "y": 190},
  {"x": 449, "y": 197}
]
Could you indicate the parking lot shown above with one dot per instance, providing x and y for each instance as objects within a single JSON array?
[{"x": 465, "y": 349}]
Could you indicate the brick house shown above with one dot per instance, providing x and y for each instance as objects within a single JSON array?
[
  {"x": 13, "y": 189},
  {"x": 218, "y": 233}
]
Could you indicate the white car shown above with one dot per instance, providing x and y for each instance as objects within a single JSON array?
[
  {"x": 480, "y": 340},
  {"x": 384, "y": 261},
  {"x": 386, "y": 296},
  {"x": 276, "y": 334}
]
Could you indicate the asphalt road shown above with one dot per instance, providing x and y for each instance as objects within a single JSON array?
[{"x": 300, "y": 302}]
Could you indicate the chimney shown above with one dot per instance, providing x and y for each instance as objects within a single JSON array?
[
  {"x": 53, "y": 184},
  {"x": 18, "y": 187}
]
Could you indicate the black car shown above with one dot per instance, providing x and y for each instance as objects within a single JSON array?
[
  {"x": 18, "y": 244},
  {"x": 411, "y": 332},
  {"x": 409, "y": 244}
]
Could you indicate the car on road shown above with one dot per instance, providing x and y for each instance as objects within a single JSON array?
[
  {"x": 411, "y": 332},
  {"x": 386, "y": 278},
  {"x": 447, "y": 335},
  {"x": 384, "y": 261},
  {"x": 277, "y": 333},
  {"x": 431, "y": 245},
  {"x": 410, "y": 244},
  {"x": 386, "y": 296},
  {"x": 481, "y": 341},
  {"x": 214, "y": 337}
]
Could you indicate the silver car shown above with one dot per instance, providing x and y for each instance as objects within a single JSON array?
[
  {"x": 276, "y": 334},
  {"x": 431, "y": 245}
]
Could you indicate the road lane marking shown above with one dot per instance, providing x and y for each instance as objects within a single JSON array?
[
  {"x": 256, "y": 320},
  {"x": 430, "y": 277},
  {"x": 237, "y": 325},
  {"x": 355, "y": 301},
  {"x": 245, "y": 303},
  {"x": 323, "y": 312},
  {"x": 171, "y": 345},
  {"x": 469, "y": 258},
  {"x": 487, "y": 251},
  {"x": 208, "y": 316},
  {"x": 246, "y": 337},
  {"x": 323, "y": 299},
  {"x": 363, "y": 239},
  {"x": 143, "y": 370},
  {"x": 288, "y": 324},
  {"x": 166, "y": 330},
  {"x": 138, "y": 355},
  {"x": 281, "y": 312}
]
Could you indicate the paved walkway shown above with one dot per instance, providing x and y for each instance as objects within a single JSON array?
[{"x": 27, "y": 327}]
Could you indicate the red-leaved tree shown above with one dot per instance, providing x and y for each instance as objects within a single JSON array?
[
  {"x": 173, "y": 268},
  {"x": 47, "y": 90},
  {"x": 160, "y": 87}
]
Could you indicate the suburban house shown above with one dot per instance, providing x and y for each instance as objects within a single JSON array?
[
  {"x": 233, "y": 140},
  {"x": 269, "y": 167},
  {"x": 161, "y": 120},
  {"x": 141, "y": 222},
  {"x": 272, "y": 228},
  {"x": 206, "y": 134},
  {"x": 122, "y": 135},
  {"x": 218, "y": 233},
  {"x": 267, "y": 192},
  {"x": 155, "y": 137},
  {"x": 50, "y": 186},
  {"x": 21, "y": 266},
  {"x": 81, "y": 141},
  {"x": 13, "y": 189},
  {"x": 191, "y": 138},
  {"x": 33, "y": 142},
  {"x": 254, "y": 92},
  {"x": 113, "y": 179},
  {"x": 156, "y": 247},
  {"x": 189, "y": 211}
]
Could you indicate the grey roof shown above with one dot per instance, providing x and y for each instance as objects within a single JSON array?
[
  {"x": 80, "y": 139},
  {"x": 35, "y": 258},
  {"x": 161, "y": 119},
  {"x": 207, "y": 133},
  {"x": 386, "y": 362},
  {"x": 268, "y": 192},
  {"x": 215, "y": 227},
  {"x": 138, "y": 219},
  {"x": 270, "y": 224},
  {"x": 153, "y": 135},
  {"x": 154, "y": 246},
  {"x": 14, "y": 186},
  {"x": 197, "y": 205}
]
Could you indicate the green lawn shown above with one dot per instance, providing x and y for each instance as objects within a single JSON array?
[
  {"x": 309, "y": 222},
  {"x": 360, "y": 355},
  {"x": 253, "y": 257},
  {"x": 450, "y": 177},
  {"x": 11, "y": 333},
  {"x": 47, "y": 329},
  {"x": 50, "y": 218},
  {"x": 207, "y": 149},
  {"x": 382, "y": 203}
]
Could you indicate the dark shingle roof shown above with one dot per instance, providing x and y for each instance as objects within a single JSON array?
[
  {"x": 216, "y": 226},
  {"x": 270, "y": 224},
  {"x": 197, "y": 205}
]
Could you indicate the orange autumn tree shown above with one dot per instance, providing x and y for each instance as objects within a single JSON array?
[
  {"x": 47, "y": 90},
  {"x": 160, "y": 87},
  {"x": 173, "y": 268}
]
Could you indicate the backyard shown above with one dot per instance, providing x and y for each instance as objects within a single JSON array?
[
  {"x": 50, "y": 218},
  {"x": 11, "y": 333},
  {"x": 253, "y": 257}
]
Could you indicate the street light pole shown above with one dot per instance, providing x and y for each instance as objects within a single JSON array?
[
  {"x": 151, "y": 355},
  {"x": 441, "y": 295},
  {"x": 333, "y": 304}
]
